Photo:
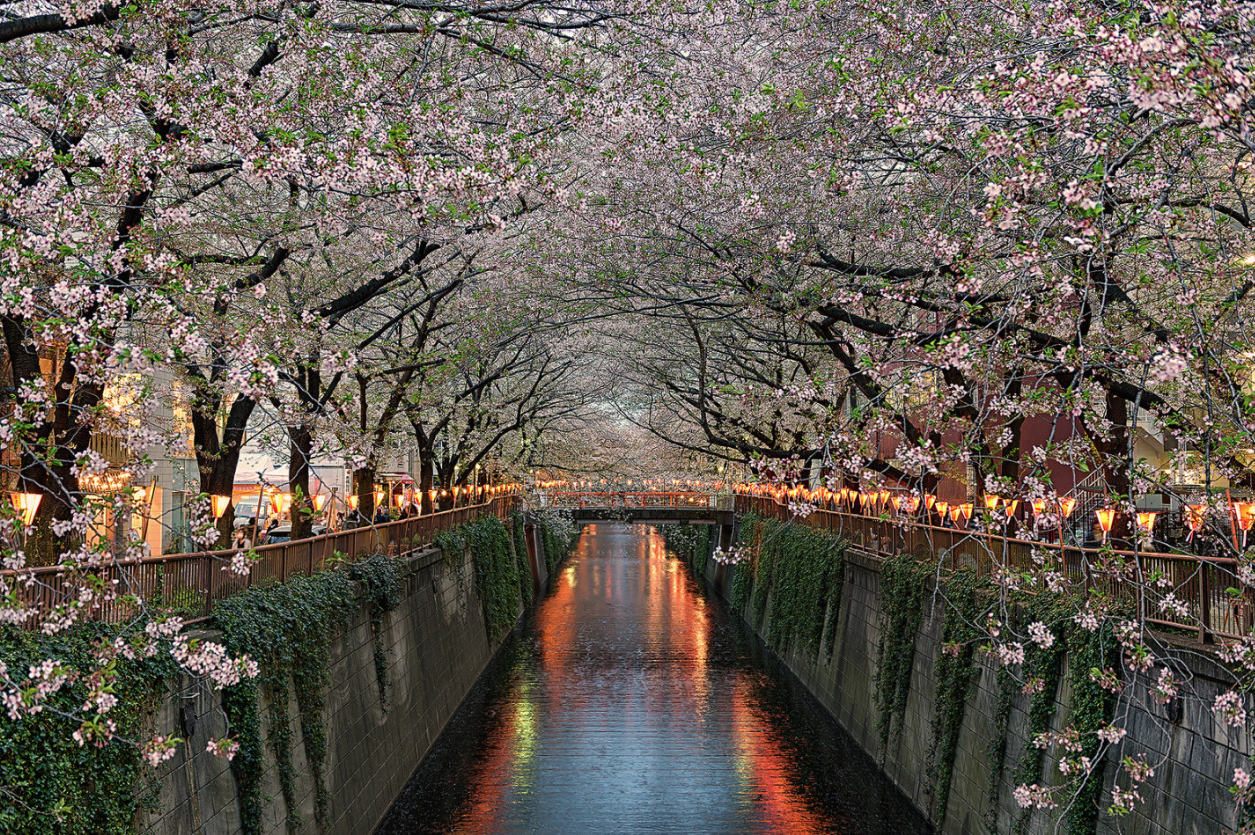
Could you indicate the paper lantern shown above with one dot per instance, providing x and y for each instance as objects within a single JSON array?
[
  {"x": 1106, "y": 518},
  {"x": 26, "y": 504},
  {"x": 219, "y": 505}
]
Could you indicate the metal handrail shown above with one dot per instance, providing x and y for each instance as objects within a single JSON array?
[
  {"x": 1201, "y": 583},
  {"x": 613, "y": 500},
  {"x": 192, "y": 582}
]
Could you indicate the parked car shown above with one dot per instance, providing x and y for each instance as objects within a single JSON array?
[{"x": 283, "y": 533}]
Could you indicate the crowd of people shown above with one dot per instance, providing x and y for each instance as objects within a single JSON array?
[{"x": 250, "y": 534}]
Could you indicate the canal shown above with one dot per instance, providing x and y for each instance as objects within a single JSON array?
[{"x": 629, "y": 703}]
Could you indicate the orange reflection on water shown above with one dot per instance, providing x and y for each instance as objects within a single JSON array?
[
  {"x": 766, "y": 766},
  {"x": 622, "y": 711}
]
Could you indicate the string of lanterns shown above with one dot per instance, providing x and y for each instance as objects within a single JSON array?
[
  {"x": 649, "y": 485},
  {"x": 1046, "y": 513}
]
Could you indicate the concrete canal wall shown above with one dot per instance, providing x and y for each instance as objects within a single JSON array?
[
  {"x": 436, "y": 644},
  {"x": 1193, "y": 754}
]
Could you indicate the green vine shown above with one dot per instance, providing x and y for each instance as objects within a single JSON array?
[
  {"x": 1092, "y": 709},
  {"x": 763, "y": 564},
  {"x": 798, "y": 570},
  {"x": 965, "y": 597},
  {"x": 1042, "y": 671},
  {"x": 496, "y": 573},
  {"x": 998, "y": 744},
  {"x": 287, "y": 629},
  {"x": 836, "y": 586},
  {"x": 557, "y": 544},
  {"x": 1091, "y": 706},
  {"x": 690, "y": 543},
  {"x": 379, "y": 578},
  {"x": 903, "y": 585},
  {"x": 804, "y": 564},
  {"x": 519, "y": 531},
  {"x": 48, "y": 782},
  {"x": 743, "y": 576}
]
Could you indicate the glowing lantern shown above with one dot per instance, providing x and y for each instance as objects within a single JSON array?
[
  {"x": 1106, "y": 518},
  {"x": 353, "y": 500},
  {"x": 1066, "y": 506},
  {"x": 379, "y": 497},
  {"x": 1245, "y": 512},
  {"x": 965, "y": 512},
  {"x": 929, "y": 501},
  {"x": 319, "y": 501},
  {"x": 1039, "y": 507},
  {"x": 991, "y": 502},
  {"x": 1011, "y": 507},
  {"x": 956, "y": 516},
  {"x": 1194, "y": 517},
  {"x": 219, "y": 505},
  {"x": 1146, "y": 522},
  {"x": 943, "y": 510},
  {"x": 26, "y": 504}
]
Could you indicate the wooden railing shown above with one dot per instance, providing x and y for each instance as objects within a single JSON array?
[
  {"x": 190, "y": 584},
  {"x": 642, "y": 499},
  {"x": 1206, "y": 587}
]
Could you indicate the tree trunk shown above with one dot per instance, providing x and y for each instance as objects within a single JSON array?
[
  {"x": 300, "y": 449},
  {"x": 1115, "y": 454},
  {"x": 426, "y": 480},
  {"x": 217, "y": 461},
  {"x": 364, "y": 489}
]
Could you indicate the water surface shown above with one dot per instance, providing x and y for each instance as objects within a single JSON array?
[{"x": 629, "y": 703}]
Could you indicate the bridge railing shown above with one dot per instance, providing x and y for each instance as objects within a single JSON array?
[
  {"x": 190, "y": 584},
  {"x": 1203, "y": 586},
  {"x": 614, "y": 500}
]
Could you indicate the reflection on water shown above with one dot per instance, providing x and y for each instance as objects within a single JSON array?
[{"x": 628, "y": 703}]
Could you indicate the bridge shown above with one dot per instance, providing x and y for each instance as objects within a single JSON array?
[{"x": 644, "y": 507}]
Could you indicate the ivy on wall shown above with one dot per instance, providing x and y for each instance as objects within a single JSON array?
[
  {"x": 967, "y": 600},
  {"x": 904, "y": 582},
  {"x": 798, "y": 570},
  {"x": 1091, "y": 706},
  {"x": 743, "y": 576},
  {"x": 798, "y": 573},
  {"x": 690, "y": 543},
  {"x": 519, "y": 531},
  {"x": 1092, "y": 709},
  {"x": 287, "y": 627},
  {"x": 557, "y": 543},
  {"x": 380, "y": 583},
  {"x": 49, "y": 784},
  {"x": 997, "y": 751},
  {"x": 496, "y": 569}
]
